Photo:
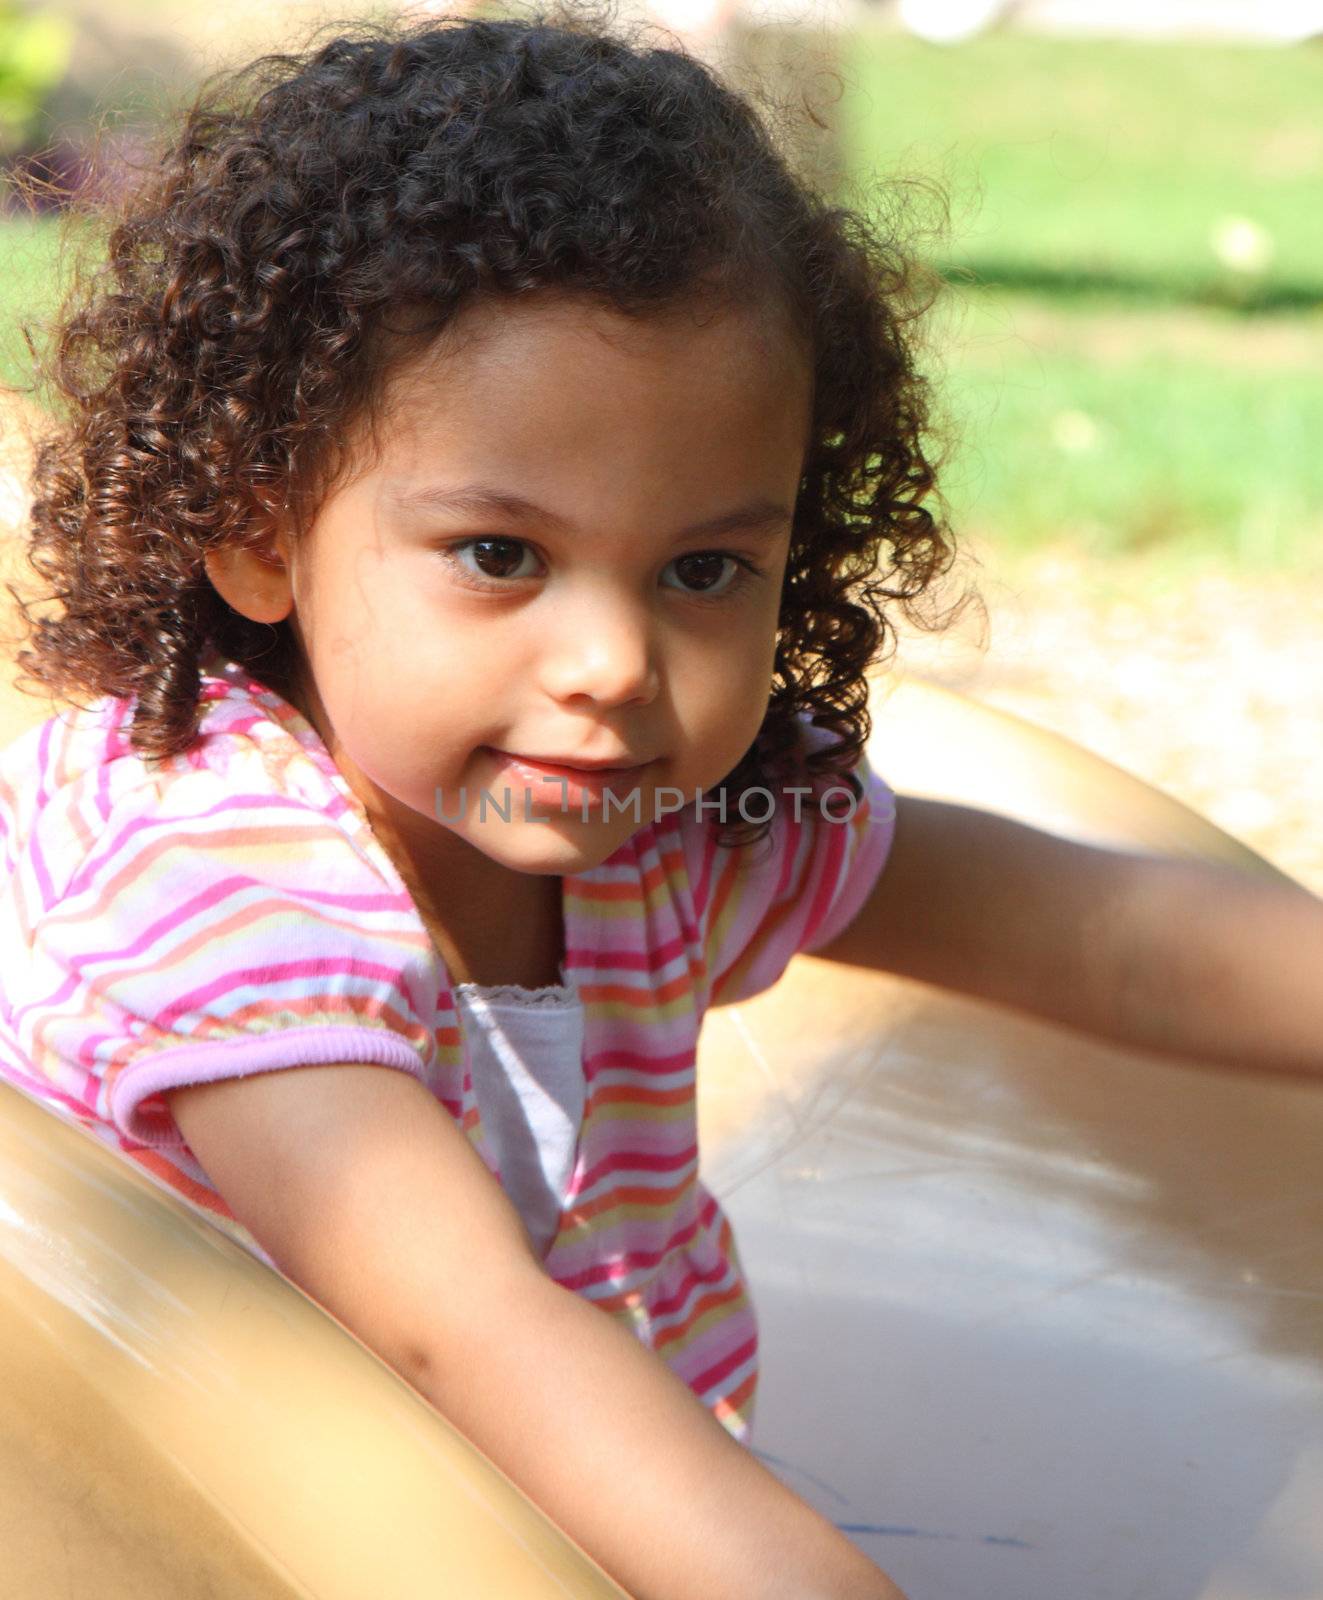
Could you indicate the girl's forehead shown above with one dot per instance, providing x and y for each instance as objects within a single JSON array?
[
  {"x": 494, "y": 347},
  {"x": 552, "y": 386}
]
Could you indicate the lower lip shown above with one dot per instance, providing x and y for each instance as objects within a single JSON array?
[{"x": 559, "y": 787}]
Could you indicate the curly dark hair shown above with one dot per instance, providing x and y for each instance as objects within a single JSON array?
[{"x": 246, "y": 310}]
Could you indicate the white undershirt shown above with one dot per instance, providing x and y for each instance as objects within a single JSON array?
[{"x": 526, "y": 1055}]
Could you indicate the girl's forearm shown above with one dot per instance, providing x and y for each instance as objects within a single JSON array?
[
  {"x": 601, "y": 1435},
  {"x": 1216, "y": 965}
]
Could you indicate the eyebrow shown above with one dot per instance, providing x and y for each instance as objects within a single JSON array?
[{"x": 478, "y": 499}]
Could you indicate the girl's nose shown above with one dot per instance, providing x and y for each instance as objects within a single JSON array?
[{"x": 602, "y": 651}]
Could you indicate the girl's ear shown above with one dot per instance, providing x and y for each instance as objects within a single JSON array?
[{"x": 254, "y": 580}]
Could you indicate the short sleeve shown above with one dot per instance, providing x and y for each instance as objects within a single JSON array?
[
  {"x": 218, "y": 928},
  {"x": 796, "y": 889}
]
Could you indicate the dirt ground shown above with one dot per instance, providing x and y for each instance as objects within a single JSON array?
[{"x": 1209, "y": 686}]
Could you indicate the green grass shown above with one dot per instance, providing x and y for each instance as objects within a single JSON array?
[
  {"x": 1105, "y": 376},
  {"x": 1116, "y": 438},
  {"x": 1104, "y": 166}
]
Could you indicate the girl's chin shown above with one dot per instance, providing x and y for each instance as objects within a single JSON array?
[{"x": 544, "y": 838}]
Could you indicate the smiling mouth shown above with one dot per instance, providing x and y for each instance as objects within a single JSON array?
[{"x": 568, "y": 769}]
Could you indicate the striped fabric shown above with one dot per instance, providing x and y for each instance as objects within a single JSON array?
[{"x": 231, "y": 911}]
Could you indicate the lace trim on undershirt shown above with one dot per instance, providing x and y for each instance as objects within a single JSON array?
[{"x": 555, "y": 994}]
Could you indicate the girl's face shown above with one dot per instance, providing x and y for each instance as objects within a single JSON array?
[{"x": 568, "y": 547}]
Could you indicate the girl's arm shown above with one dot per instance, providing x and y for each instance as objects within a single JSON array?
[
  {"x": 1186, "y": 958},
  {"x": 359, "y": 1185}
]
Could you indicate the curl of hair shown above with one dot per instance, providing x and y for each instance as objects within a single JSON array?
[{"x": 315, "y": 217}]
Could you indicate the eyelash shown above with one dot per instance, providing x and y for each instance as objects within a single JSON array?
[{"x": 471, "y": 580}]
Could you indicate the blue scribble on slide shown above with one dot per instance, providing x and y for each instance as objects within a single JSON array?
[{"x": 881, "y": 1528}]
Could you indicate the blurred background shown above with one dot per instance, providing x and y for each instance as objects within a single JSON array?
[{"x": 1127, "y": 352}]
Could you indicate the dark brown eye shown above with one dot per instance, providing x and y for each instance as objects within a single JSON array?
[
  {"x": 702, "y": 570},
  {"x": 498, "y": 558}
]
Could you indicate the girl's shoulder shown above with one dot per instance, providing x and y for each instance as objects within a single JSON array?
[
  {"x": 209, "y": 915},
  {"x": 75, "y": 783}
]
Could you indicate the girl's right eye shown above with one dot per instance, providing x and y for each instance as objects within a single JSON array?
[{"x": 497, "y": 561}]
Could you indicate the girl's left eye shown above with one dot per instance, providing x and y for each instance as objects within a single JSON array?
[
  {"x": 703, "y": 568},
  {"x": 500, "y": 560}
]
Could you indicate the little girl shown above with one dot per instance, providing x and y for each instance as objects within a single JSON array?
[{"x": 485, "y": 469}]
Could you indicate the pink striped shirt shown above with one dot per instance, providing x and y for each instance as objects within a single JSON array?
[{"x": 231, "y": 911}]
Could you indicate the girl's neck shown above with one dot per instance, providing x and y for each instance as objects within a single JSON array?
[{"x": 519, "y": 940}]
